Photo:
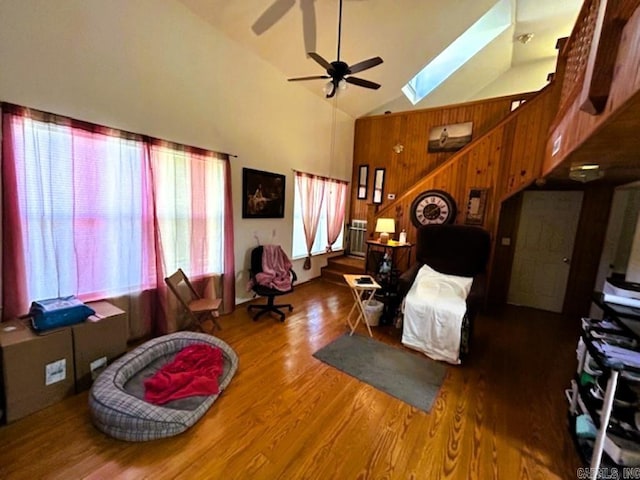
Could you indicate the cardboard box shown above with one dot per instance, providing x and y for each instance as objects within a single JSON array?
[
  {"x": 98, "y": 341},
  {"x": 37, "y": 370}
]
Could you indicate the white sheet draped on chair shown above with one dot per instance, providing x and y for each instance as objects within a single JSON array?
[{"x": 433, "y": 312}]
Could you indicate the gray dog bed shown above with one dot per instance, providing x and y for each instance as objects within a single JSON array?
[{"x": 116, "y": 400}]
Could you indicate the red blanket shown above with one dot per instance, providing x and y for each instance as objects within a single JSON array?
[{"x": 194, "y": 371}]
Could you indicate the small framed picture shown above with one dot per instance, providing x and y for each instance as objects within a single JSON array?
[
  {"x": 378, "y": 185},
  {"x": 363, "y": 181}
]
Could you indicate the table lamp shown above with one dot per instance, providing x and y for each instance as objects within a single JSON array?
[{"x": 385, "y": 226}]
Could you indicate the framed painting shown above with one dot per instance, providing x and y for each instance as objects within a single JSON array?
[
  {"x": 449, "y": 138},
  {"x": 263, "y": 194}
]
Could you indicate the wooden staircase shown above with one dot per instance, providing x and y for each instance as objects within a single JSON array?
[{"x": 338, "y": 266}]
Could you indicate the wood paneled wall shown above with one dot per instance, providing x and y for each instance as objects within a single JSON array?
[
  {"x": 506, "y": 156},
  {"x": 376, "y": 136}
]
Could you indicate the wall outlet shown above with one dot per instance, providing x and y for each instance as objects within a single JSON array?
[
  {"x": 505, "y": 241},
  {"x": 391, "y": 196}
]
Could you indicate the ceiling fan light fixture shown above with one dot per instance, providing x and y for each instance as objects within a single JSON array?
[
  {"x": 329, "y": 89},
  {"x": 342, "y": 85}
]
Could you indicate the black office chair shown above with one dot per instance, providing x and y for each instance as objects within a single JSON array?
[{"x": 264, "y": 291}]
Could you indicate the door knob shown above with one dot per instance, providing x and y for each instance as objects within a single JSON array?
[{"x": 566, "y": 260}]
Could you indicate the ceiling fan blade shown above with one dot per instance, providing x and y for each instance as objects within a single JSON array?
[
  {"x": 320, "y": 60},
  {"x": 312, "y": 77},
  {"x": 271, "y": 15},
  {"x": 362, "y": 83},
  {"x": 365, "y": 64},
  {"x": 308, "y": 24}
]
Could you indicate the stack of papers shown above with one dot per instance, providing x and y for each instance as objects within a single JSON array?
[{"x": 622, "y": 355}]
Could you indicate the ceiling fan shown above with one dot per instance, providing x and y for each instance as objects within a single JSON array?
[{"x": 340, "y": 72}]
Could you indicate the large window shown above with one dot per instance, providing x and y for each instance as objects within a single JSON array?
[
  {"x": 99, "y": 213},
  {"x": 320, "y": 243},
  {"x": 190, "y": 209}
]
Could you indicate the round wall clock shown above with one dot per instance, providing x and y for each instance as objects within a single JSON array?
[{"x": 433, "y": 206}]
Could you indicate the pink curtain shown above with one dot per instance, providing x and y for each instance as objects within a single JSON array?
[
  {"x": 98, "y": 214},
  {"x": 336, "y": 201},
  {"x": 311, "y": 191},
  {"x": 229, "y": 272},
  {"x": 14, "y": 280}
]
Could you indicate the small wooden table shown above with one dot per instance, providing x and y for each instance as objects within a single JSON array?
[
  {"x": 400, "y": 254},
  {"x": 362, "y": 295}
]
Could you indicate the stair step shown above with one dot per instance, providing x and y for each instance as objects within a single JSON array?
[
  {"x": 346, "y": 264},
  {"x": 334, "y": 276}
]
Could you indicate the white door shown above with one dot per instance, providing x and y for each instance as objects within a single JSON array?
[{"x": 546, "y": 233}]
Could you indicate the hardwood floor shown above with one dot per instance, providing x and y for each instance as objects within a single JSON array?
[{"x": 286, "y": 415}]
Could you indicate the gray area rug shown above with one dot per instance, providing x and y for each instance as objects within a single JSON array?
[{"x": 414, "y": 379}]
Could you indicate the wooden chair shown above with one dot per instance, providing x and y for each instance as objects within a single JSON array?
[{"x": 197, "y": 307}]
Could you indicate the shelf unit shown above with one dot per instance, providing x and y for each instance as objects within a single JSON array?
[
  {"x": 604, "y": 341},
  {"x": 400, "y": 256}
]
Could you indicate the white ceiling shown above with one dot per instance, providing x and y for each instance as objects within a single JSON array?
[{"x": 407, "y": 34}]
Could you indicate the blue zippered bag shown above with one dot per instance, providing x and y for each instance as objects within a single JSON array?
[{"x": 58, "y": 312}]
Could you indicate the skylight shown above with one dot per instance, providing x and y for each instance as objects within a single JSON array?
[{"x": 460, "y": 51}]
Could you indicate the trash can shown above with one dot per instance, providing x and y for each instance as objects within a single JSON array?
[{"x": 373, "y": 310}]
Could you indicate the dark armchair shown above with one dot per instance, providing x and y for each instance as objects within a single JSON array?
[
  {"x": 460, "y": 250},
  {"x": 282, "y": 271}
]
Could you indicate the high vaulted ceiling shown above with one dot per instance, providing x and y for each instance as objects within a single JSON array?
[{"x": 407, "y": 34}]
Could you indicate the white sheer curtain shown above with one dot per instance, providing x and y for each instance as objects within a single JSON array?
[
  {"x": 190, "y": 209},
  {"x": 310, "y": 190},
  {"x": 83, "y": 214}
]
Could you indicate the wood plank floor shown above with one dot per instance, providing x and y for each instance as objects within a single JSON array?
[{"x": 286, "y": 415}]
